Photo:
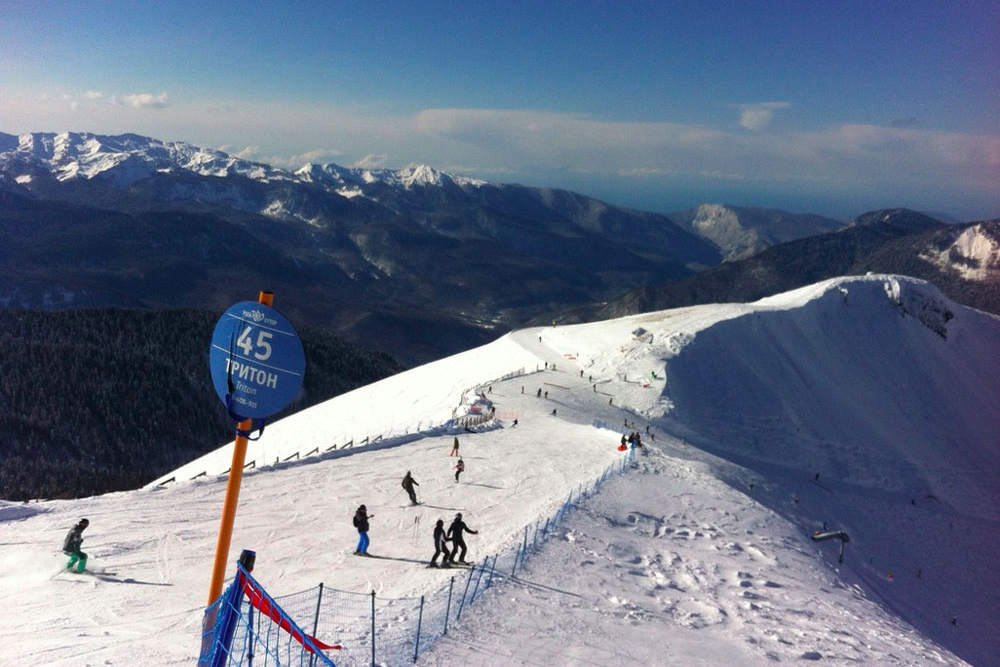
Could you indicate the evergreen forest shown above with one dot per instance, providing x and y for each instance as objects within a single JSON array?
[{"x": 101, "y": 400}]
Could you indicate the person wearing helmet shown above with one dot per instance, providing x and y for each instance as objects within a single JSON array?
[
  {"x": 71, "y": 546},
  {"x": 458, "y": 542}
]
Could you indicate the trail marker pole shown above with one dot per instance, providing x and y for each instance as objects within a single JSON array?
[
  {"x": 257, "y": 365},
  {"x": 232, "y": 494}
]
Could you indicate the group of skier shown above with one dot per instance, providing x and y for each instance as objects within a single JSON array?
[
  {"x": 631, "y": 441},
  {"x": 453, "y": 534}
]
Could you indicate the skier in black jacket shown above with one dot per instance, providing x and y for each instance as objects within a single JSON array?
[
  {"x": 408, "y": 484},
  {"x": 71, "y": 546},
  {"x": 440, "y": 545},
  {"x": 455, "y": 535},
  {"x": 361, "y": 523}
]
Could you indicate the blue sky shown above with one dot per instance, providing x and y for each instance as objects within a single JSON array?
[{"x": 834, "y": 107}]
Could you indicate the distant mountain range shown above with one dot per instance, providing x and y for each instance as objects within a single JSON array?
[
  {"x": 92, "y": 220},
  {"x": 963, "y": 261},
  {"x": 414, "y": 262}
]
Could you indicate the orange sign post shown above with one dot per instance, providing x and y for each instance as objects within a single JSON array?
[{"x": 232, "y": 495}]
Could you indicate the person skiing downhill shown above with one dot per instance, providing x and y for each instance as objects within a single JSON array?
[
  {"x": 71, "y": 546},
  {"x": 454, "y": 447},
  {"x": 361, "y": 517},
  {"x": 455, "y": 535},
  {"x": 408, "y": 484},
  {"x": 440, "y": 545},
  {"x": 459, "y": 469}
]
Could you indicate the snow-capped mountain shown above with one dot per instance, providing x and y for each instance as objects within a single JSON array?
[
  {"x": 973, "y": 253},
  {"x": 961, "y": 259},
  {"x": 126, "y": 159},
  {"x": 93, "y": 220},
  {"x": 420, "y": 247}
]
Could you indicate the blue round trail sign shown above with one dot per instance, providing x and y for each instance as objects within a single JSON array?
[{"x": 256, "y": 358}]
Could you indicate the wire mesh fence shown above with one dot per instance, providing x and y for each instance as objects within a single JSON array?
[{"x": 388, "y": 632}]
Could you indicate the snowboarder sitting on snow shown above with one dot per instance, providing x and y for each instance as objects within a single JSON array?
[
  {"x": 408, "y": 484},
  {"x": 71, "y": 546},
  {"x": 459, "y": 469},
  {"x": 440, "y": 545},
  {"x": 455, "y": 535},
  {"x": 361, "y": 523}
]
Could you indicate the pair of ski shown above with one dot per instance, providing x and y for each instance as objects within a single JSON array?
[
  {"x": 446, "y": 566},
  {"x": 98, "y": 574}
]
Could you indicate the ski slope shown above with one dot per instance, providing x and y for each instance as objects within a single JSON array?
[{"x": 862, "y": 404}]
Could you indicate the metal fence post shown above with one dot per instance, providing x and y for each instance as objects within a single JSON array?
[
  {"x": 319, "y": 601},
  {"x": 373, "y": 628},
  {"x": 479, "y": 578},
  {"x": 420, "y": 620},
  {"x": 447, "y": 611},
  {"x": 465, "y": 593},
  {"x": 492, "y": 568}
]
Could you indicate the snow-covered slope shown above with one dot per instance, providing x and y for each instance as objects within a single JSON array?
[
  {"x": 974, "y": 255},
  {"x": 861, "y": 404}
]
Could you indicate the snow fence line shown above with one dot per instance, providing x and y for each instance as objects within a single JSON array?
[
  {"x": 464, "y": 422},
  {"x": 393, "y": 632},
  {"x": 350, "y": 447}
]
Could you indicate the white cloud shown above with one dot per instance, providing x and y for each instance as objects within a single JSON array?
[
  {"x": 759, "y": 115},
  {"x": 371, "y": 162},
  {"x": 93, "y": 95},
  {"x": 246, "y": 153},
  {"x": 142, "y": 101},
  {"x": 322, "y": 156},
  {"x": 529, "y": 141}
]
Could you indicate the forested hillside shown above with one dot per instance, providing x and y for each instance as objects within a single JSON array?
[{"x": 102, "y": 400}]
